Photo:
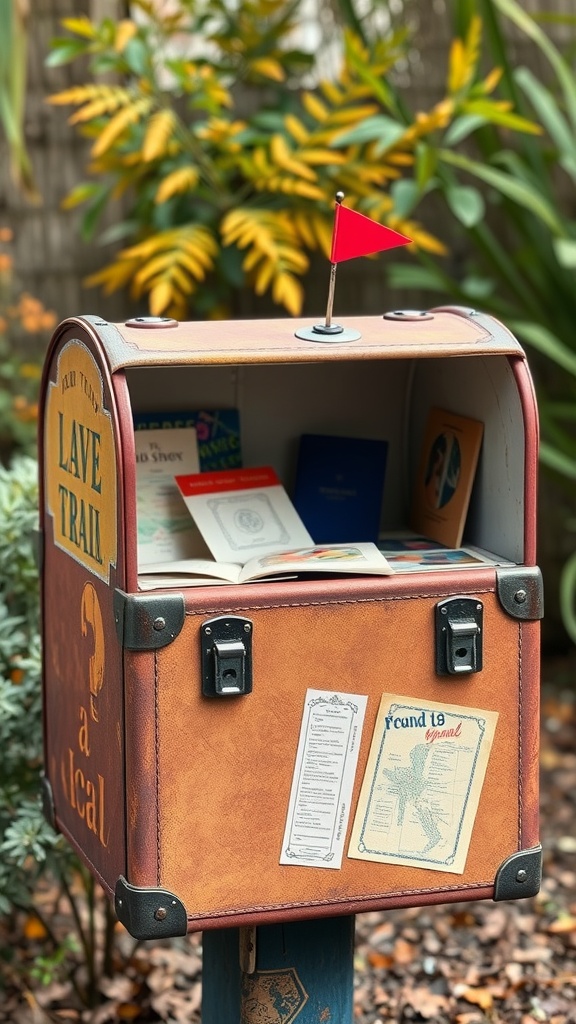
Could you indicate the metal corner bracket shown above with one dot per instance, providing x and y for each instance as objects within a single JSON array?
[
  {"x": 147, "y": 622},
  {"x": 520, "y": 591},
  {"x": 149, "y": 913},
  {"x": 519, "y": 876}
]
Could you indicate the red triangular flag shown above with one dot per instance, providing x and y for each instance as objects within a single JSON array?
[{"x": 356, "y": 235}]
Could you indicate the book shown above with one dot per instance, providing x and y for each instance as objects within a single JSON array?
[
  {"x": 448, "y": 462},
  {"x": 410, "y": 552},
  {"x": 217, "y": 433},
  {"x": 336, "y": 559},
  {"x": 339, "y": 486},
  {"x": 165, "y": 529},
  {"x": 242, "y": 513}
]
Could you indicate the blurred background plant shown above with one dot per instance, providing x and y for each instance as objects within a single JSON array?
[
  {"x": 508, "y": 198},
  {"x": 14, "y": 16},
  {"x": 32, "y": 856},
  {"x": 25, "y": 326},
  {"x": 228, "y": 152}
]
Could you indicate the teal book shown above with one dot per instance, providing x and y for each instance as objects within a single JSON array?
[
  {"x": 339, "y": 487},
  {"x": 217, "y": 433}
]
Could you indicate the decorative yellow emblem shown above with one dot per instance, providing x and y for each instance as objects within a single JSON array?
[{"x": 80, "y": 463}]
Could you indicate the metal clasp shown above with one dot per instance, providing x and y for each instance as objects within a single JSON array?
[
  {"x": 226, "y": 656},
  {"x": 458, "y": 636}
]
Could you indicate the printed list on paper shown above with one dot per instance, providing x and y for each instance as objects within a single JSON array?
[{"x": 323, "y": 779}]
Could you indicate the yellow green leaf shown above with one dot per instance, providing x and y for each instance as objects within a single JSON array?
[
  {"x": 184, "y": 179},
  {"x": 77, "y": 94},
  {"x": 160, "y": 298},
  {"x": 125, "y": 31},
  {"x": 80, "y": 26},
  {"x": 321, "y": 156},
  {"x": 315, "y": 107},
  {"x": 491, "y": 80},
  {"x": 288, "y": 292},
  {"x": 297, "y": 130},
  {"x": 268, "y": 68},
  {"x": 118, "y": 124},
  {"x": 158, "y": 133}
]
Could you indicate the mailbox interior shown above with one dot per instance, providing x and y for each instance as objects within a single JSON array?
[{"x": 378, "y": 398}]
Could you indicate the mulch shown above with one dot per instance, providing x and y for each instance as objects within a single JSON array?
[{"x": 455, "y": 964}]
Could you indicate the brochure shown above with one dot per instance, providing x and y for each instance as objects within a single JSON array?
[{"x": 243, "y": 513}]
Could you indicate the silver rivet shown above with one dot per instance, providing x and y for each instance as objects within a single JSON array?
[
  {"x": 159, "y": 624},
  {"x": 520, "y": 596},
  {"x": 161, "y": 914},
  {"x": 247, "y": 627},
  {"x": 521, "y": 875},
  {"x": 208, "y": 630}
]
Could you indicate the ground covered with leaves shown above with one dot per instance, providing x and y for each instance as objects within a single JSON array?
[{"x": 468, "y": 963}]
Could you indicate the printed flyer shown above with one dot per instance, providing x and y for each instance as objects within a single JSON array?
[
  {"x": 422, "y": 784},
  {"x": 323, "y": 779}
]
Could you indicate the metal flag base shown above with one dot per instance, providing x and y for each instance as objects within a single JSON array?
[{"x": 327, "y": 333}]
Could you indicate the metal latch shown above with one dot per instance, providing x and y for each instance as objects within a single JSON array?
[
  {"x": 458, "y": 635},
  {"x": 226, "y": 654}
]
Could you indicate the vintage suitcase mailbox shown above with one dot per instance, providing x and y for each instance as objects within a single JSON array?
[{"x": 259, "y": 752}]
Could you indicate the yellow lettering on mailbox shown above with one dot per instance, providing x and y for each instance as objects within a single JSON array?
[
  {"x": 83, "y": 741},
  {"x": 80, "y": 462},
  {"x": 86, "y": 797}
]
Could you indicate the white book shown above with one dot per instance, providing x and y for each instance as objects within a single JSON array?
[{"x": 166, "y": 530}]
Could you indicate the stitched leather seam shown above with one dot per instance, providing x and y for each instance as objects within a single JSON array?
[
  {"x": 157, "y": 752},
  {"x": 330, "y": 602},
  {"x": 337, "y": 900}
]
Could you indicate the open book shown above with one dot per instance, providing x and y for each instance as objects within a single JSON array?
[{"x": 337, "y": 559}]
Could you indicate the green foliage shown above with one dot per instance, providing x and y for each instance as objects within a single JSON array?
[
  {"x": 24, "y": 327},
  {"x": 512, "y": 196},
  {"x": 30, "y": 850},
  {"x": 27, "y": 841},
  {"x": 228, "y": 147},
  {"x": 13, "y": 58}
]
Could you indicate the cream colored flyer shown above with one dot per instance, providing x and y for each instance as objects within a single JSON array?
[
  {"x": 422, "y": 784},
  {"x": 323, "y": 779}
]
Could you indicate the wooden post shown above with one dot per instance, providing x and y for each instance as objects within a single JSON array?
[{"x": 303, "y": 970}]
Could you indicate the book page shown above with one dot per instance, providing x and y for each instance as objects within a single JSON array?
[
  {"x": 323, "y": 779},
  {"x": 422, "y": 784},
  {"x": 165, "y": 528},
  {"x": 338, "y": 559}
]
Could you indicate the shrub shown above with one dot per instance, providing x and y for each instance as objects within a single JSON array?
[
  {"x": 24, "y": 327},
  {"x": 227, "y": 154}
]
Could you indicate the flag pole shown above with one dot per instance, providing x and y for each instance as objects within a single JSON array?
[
  {"x": 328, "y": 327},
  {"x": 333, "y": 268}
]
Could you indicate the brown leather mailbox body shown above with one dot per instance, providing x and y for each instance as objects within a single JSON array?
[{"x": 183, "y": 803}]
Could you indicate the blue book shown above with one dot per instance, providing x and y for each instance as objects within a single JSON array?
[
  {"x": 217, "y": 433},
  {"x": 339, "y": 487}
]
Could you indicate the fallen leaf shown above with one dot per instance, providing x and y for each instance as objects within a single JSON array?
[
  {"x": 128, "y": 1011},
  {"x": 34, "y": 929},
  {"x": 380, "y": 960},
  {"x": 481, "y": 997},
  {"x": 562, "y": 925},
  {"x": 428, "y": 1004},
  {"x": 403, "y": 952}
]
